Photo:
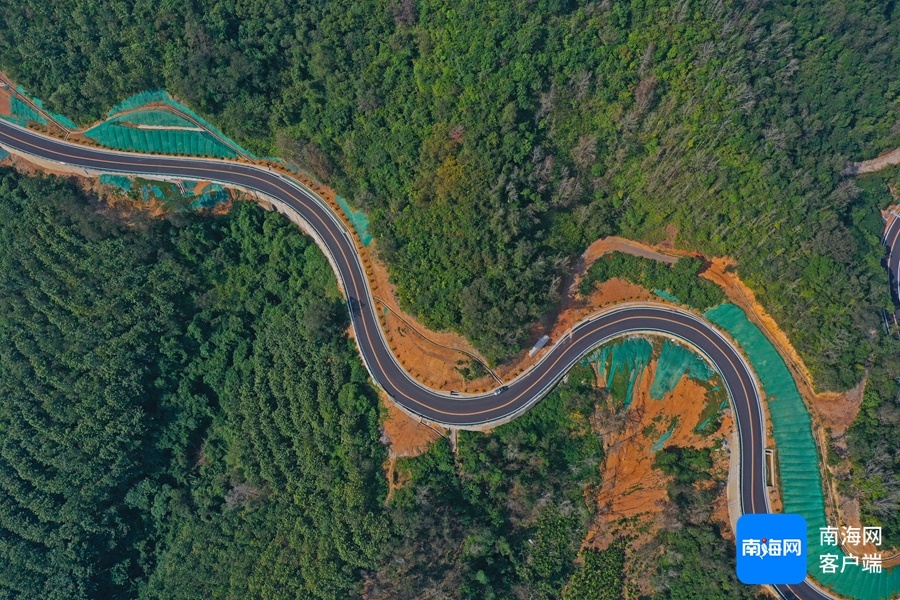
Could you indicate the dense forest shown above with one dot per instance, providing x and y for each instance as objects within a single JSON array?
[
  {"x": 183, "y": 416},
  {"x": 538, "y": 126},
  {"x": 176, "y": 399},
  {"x": 490, "y": 142}
]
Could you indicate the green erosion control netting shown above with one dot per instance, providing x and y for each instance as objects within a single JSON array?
[
  {"x": 156, "y": 118},
  {"x": 665, "y": 295},
  {"x": 123, "y": 183},
  {"x": 674, "y": 361},
  {"x": 359, "y": 220},
  {"x": 160, "y": 96},
  {"x": 64, "y": 120},
  {"x": 178, "y": 196},
  {"x": 621, "y": 364},
  {"x": 798, "y": 458},
  {"x": 3, "y": 153},
  {"x": 211, "y": 195},
  {"x": 22, "y": 113},
  {"x": 139, "y": 100},
  {"x": 114, "y": 134},
  {"x": 661, "y": 442},
  {"x": 151, "y": 191}
]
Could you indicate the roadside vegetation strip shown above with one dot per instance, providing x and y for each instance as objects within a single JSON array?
[{"x": 798, "y": 456}]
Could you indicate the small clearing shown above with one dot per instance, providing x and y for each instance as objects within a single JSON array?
[{"x": 875, "y": 164}]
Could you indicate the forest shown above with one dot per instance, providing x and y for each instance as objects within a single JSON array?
[
  {"x": 490, "y": 142},
  {"x": 183, "y": 416},
  {"x": 679, "y": 280},
  {"x": 175, "y": 399}
]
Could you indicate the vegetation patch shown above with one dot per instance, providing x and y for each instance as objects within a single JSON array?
[{"x": 678, "y": 281}]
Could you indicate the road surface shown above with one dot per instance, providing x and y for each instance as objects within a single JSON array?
[
  {"x": 520, "y": 394},
  {"x": 892, "y": 241}
]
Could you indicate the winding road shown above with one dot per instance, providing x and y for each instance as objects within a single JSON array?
[
  {"x": 892, "y": 241},
  {"x": 508, "y": 401}
]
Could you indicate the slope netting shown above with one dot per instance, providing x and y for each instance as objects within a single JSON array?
[
  {"x": 167, "y": 141},
  {"x": 23, "y": 113},
  {"x": 139, "y": 100},
  {"x": 661, "y": 442},
  {"x": 674, "y": 362},
  {"x": 211, "y": 195},
  {"x": 116, "y": 134},
  {"x": 798, "y": 458},
  {"x": 159, "y": 96},
  {"x": 64, "y": 120},
  {"x": 358, "y": 219},
  {"x": 621, "y": 364},
  {"x": 157, "y": 118},
  {"x": 666, "y": 296},
  {"x": 150, "y": 191},
  {"x": 149, "y": 130},
  {"x": 120, "y": 181},
  {"x": 180, "y": 195}
]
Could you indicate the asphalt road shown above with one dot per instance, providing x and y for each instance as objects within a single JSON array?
[
  {"x": 520, "y": 394},
  {"x": 892, "y": 241}
]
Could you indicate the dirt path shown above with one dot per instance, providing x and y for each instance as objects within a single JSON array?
[{"x": 875, "y": 164}]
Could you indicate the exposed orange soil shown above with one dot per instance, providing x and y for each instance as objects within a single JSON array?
[
  {"x": 611, "y": 244},
  {"x": 427, "y": 361},
  {"x": 430, "y": 356},
  {"x": 200, "y": 186},
  {"x": 572, "y": 309},
  {"x": 124, "y": 207},
  {"x": 671, "y": 236},
  {"x": 29, "y": 168},
  {"x": 408, "y": 338},
  {"x": 433, "y": 356},
  {"x": 405, "y": 436},
  {"x": 573, "y": 306},
  {"x": 617, "y": 244},
  {"x": 109, "y": 200},
  {"x": 444, "y": 349},
  {"x": 837, "y": 412},
  {"x": 5, "y": 103},
  {"x": 832, "y": 413},
  {"x": 632, "y": 488}
]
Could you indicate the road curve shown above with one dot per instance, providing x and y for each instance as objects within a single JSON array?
[
  {"x": 892, "y": 241},
  {"x": 520, "y": 394}
]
